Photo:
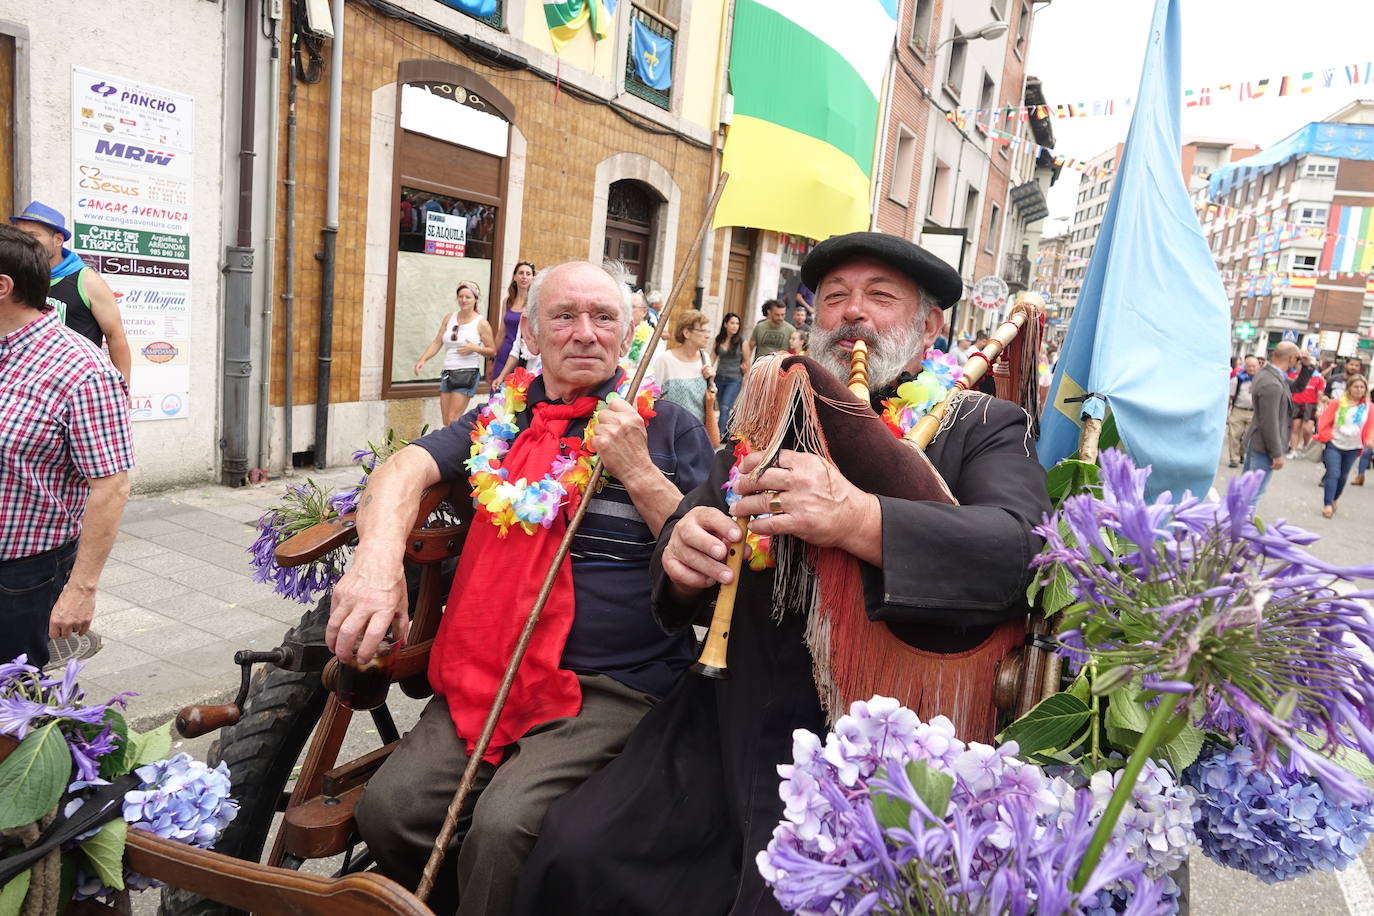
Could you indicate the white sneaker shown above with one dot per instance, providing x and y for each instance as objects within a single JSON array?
[{"x": 66, "y": 648}]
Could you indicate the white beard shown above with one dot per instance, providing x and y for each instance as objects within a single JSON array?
[{"x": 888, "y": 351}]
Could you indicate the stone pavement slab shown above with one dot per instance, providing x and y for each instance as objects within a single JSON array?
[{"x": 177, "y": 598}]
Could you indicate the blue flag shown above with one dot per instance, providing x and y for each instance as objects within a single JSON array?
[
  {"x": 484, "y": 9},
  {"x": 1150, "y": 332},
  {"x": 653, "y": 56}
]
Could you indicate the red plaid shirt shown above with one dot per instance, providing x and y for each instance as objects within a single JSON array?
[{"x": 64, "y": 419}]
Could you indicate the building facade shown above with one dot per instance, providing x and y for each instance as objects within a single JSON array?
[
  {"x": 1292, "y": 233},
  {"x": 131, "y": 148}
]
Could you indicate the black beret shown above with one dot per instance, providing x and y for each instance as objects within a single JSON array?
[{"x": 926, "y": 270}]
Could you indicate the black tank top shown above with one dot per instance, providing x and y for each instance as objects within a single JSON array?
[{"x": 68, "y": 296}]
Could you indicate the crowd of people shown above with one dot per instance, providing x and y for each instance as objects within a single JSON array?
[{"x": 1280, "y": 407}]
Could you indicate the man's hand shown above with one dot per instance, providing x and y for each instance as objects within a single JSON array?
[
  {"x": 695, "y": 556},
  {"x": 1278, "y": 463},
  {"x": 366, "y": 603},
  {"x": 621, "y": 441},
  {"x": 817, "y": 504},
  {"x": 72, "y": 614}
]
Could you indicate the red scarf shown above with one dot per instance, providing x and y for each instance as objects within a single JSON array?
[{"x": 495, "y": 588}]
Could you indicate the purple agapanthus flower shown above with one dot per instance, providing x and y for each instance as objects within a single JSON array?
[
  {"x": 303, "y": 505},
  {"x": 1204, "y": 600}
]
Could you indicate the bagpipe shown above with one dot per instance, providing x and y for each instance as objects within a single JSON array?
[{"x": 795, "y": 403}]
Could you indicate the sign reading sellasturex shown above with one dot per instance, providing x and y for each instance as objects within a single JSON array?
[{"x": 132, "y": 192}]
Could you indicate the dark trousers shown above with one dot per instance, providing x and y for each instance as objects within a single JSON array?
[
  {"x": 1338, "y": 463},
  {"x": 29, "y": 587},
  {"x": 403, "y": 808}
]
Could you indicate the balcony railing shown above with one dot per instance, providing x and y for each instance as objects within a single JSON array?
[
  {"x": 1016, "y": 270},
  {"x": 493, "y": 13},
  {"x": 663, "y": 98}
]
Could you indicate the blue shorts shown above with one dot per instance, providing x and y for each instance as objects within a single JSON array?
[{"x": 445, "y": 385}]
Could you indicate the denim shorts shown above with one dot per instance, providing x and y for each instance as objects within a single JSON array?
[
  {"x": 446, "y": 386},
  {"x": 29, "y": 587}
]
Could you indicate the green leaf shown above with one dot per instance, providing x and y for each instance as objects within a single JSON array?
[
  {"x": 1050, "y": 725},
  {"x": 13, "y": 894},
  {"x": 1350, "y": 759},
  {"x": 1125, "y": 711},
  {"x": 889, "y": 811},
  {"x": 932, "y": 786},
  {"x": 115, "y": 763},
  {"x": 1183, "y": 749},
  {"x": 1110, "y": 437},
  {"x": 105, "y": 852},
  {"x": 1059, "y": 594},
  {"x": 145, "y": 747},
  {"x": 67, "y": 884},
  {"x": 1069, "y": 477},
  {"x": 1080, "y": 687},
  {"x": 33, "y": 777}
]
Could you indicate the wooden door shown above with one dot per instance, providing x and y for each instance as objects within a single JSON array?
[
  {"x": 737, "y": 273},
  {"x": 630, "y": 213}
]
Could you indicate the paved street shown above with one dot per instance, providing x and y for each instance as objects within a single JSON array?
[{"x": 177, "y": 601}]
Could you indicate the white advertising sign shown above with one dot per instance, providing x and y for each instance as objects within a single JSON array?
[{"x": 132, "y": 186}]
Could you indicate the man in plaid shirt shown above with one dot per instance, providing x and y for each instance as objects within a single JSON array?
[{"x": 65, "y": 454}]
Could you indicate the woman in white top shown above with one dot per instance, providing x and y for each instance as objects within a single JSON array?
[
  {"x": 683, "y": 369},
  {"x": 465, "y": 338}
]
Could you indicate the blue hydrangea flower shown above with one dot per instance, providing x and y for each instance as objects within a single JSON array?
[
  {"x": 1272, "y": 822},
  {"x": 182, "y": 799}
]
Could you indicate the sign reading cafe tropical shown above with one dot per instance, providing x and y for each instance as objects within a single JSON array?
[{"x": 131, "y": 201}]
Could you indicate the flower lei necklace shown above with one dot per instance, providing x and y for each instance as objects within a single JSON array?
[
  {"x": 506, "y": 503},
  {"x": 939, "y": 372}
]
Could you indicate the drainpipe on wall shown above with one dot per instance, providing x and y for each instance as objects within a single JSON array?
[
  {"x": 722, "y": 63},
  {"x": 269, "y": 255},
  {"x": 330, "y": 238},
  {"x": 238, "y": 270},
  {"x": 288, "y": 292}
]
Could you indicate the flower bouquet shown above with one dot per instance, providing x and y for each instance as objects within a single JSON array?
[
  {"x": 1221, "y": 699},
  {"x": 74, "y": 780},
  {"x": 307, "y": 504}
]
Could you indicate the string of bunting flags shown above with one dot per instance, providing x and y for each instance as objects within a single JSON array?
[
  {"x": 1333, "y": 77},
  {"x": 1289, "y": 231},
  {"x": 1017, "y": 142}
]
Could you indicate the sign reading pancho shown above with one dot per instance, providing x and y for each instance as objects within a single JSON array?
[{"x": 132, "y": 189}]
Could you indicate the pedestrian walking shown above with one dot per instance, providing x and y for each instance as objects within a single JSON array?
[
  {"x": 64, "y": 462},
  {"x": 683, "y": 369},
  {"x": 84, "y": 301},
  {"x": 1307, "y": 389},
  {"x": 1266, "y": 441},
  {"x": 1242, "y": 409},
  {"x": 511, "y": 310},
  {"x": 770, "y": 335},
  {"x": 465, "y": 337},
  {"x": 1347, "y": 427},
  {"x": 727, "y": 357}
]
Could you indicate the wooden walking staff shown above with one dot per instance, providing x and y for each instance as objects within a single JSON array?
[{"x": 436, "y": 856}]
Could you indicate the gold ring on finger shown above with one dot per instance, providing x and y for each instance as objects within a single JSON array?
[{"x": 775, "y": 503}]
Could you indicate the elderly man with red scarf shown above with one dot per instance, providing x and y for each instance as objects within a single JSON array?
[{"x": 598, "y": 660}]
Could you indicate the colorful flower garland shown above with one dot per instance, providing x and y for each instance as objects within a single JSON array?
[
  {"x": 939, "y": 372},
  {"x": 507, "y": 503}
]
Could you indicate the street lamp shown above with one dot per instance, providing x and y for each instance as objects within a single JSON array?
[{"x": 991, "y": 30}]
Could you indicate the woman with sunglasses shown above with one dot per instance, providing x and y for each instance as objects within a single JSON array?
[
  {"x": 465, "y": 338},
  {"x": 513, "y": 308},
  {"x": 683, "y": 370}
]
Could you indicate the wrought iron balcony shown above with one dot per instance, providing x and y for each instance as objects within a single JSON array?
[
  {"x": 661, "y": 27},
  {"x": 1016, "y": 271}
]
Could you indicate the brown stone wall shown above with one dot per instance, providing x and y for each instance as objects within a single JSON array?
[{"x": 566, "y": 138}]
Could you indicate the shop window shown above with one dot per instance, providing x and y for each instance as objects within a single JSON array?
[{"x": 452, "y": 143}]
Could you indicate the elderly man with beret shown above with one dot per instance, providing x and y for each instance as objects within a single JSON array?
[{"x": 674, "y": 825}]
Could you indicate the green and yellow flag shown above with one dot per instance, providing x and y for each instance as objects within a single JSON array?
[
  {"x": 566, "y": 17},
  {"x": 807, "y": 76}
]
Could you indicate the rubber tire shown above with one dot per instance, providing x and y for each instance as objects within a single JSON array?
[{"x": 279, "y": 717}]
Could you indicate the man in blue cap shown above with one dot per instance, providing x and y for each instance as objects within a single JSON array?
[{"x": 81, "y": 296}]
